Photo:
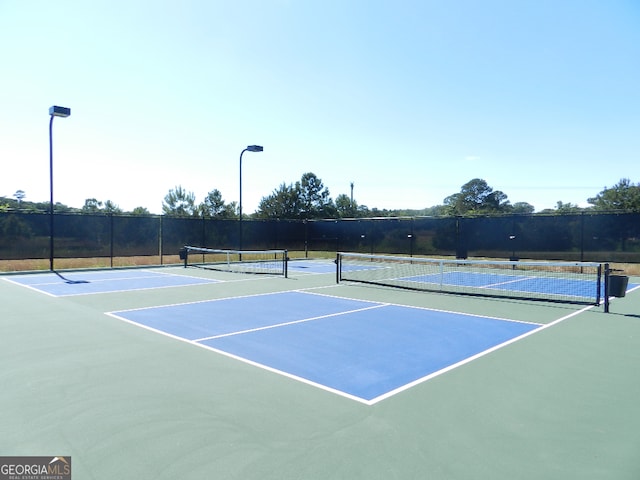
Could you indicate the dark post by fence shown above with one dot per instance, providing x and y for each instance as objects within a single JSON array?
[{"x": 606, "y": 288}]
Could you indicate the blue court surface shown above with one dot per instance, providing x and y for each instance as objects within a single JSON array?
[
  {"x": 104, "y": 281},
  {"x": 363, "y": 350}
]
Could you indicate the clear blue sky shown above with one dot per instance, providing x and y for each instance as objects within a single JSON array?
[{"x": 407, "y": 99}]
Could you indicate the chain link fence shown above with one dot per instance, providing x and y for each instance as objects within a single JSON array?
[{"x": 610, "y": 237}]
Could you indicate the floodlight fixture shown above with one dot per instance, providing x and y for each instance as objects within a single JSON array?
[{"x": 56, "y": 111}]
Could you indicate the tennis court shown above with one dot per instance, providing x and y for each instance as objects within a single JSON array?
[
  {"x": 84, "y": 283},
  {"x": 180, "y": 372},
  {"x": 366, "y": 351}
]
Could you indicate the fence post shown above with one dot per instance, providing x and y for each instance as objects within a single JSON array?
[
  {"x": 606, "y": 287},
  {"x": 111, "y": 238},
  {"x": 160, "y": 239},
  {"x": 582, "y": 236}
]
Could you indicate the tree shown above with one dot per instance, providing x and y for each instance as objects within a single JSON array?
[
  {"x": 308, "y": 198},
  {"x": 140, "y": 211},
  {"x": 563, "y": 208},
  {"x": 179, "y": 202},
  {"x": 20, "y": 195},
  {"x": 344, "y": 206},
  {"x": 91, "y": 205},
  {"x": 315, "y": 201},
  {"x": 214, "y": 206},
  {"x": 522, "y": 208},
  {"x": 476, "y": 196},
  {"x": 282, "y": 203},
  {"x": 111, "y": 207},
  {"x": 622, "y": 196}
]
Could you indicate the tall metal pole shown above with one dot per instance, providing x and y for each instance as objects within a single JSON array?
[
  {"x": 240, "y": 206},
  {"x": 250, "y": 148},
  {"x": 54, "y": 111},
  {"x": 51, "y": 193}
]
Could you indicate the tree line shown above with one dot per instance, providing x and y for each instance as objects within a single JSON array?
[{"x": 309, "y": 198}]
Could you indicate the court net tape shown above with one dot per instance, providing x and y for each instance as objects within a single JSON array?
[
  {"x": 571, "y": 282},
  {"x": 269, "y": 262}
]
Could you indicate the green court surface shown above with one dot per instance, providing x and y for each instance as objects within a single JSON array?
[{"x": 129, "y": 403}]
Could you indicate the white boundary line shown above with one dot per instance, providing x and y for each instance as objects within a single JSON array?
[
  {"x": 241, "y": 359},
  {"x": 419, "y": 308},
  {"x": 168, "y": 305},
  {"x": 476, "y": 356},
  {"x": 293, "y": 322},
  {"x": 30, "y": 287},
  {"x": 156, "y": 274},
  {"x": 375, "y": 305}
]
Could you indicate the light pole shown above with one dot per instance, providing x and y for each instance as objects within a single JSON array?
[
  {"x": 250, "y": 148},
  {"x": 63, "y": 112}
]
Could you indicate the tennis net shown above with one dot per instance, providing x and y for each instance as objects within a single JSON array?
[
  {"x": 570, "y": 282},
  {"x": 269, "y": 262}
]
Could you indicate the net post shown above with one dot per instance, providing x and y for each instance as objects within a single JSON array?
[
  {"x": 286, "y": 264},
  {"x": 607, "y": 272},
  {"x": 599, "y": 284},
  {"x": 183, "y": 254},
  {"x": 337, "y": 261}
]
